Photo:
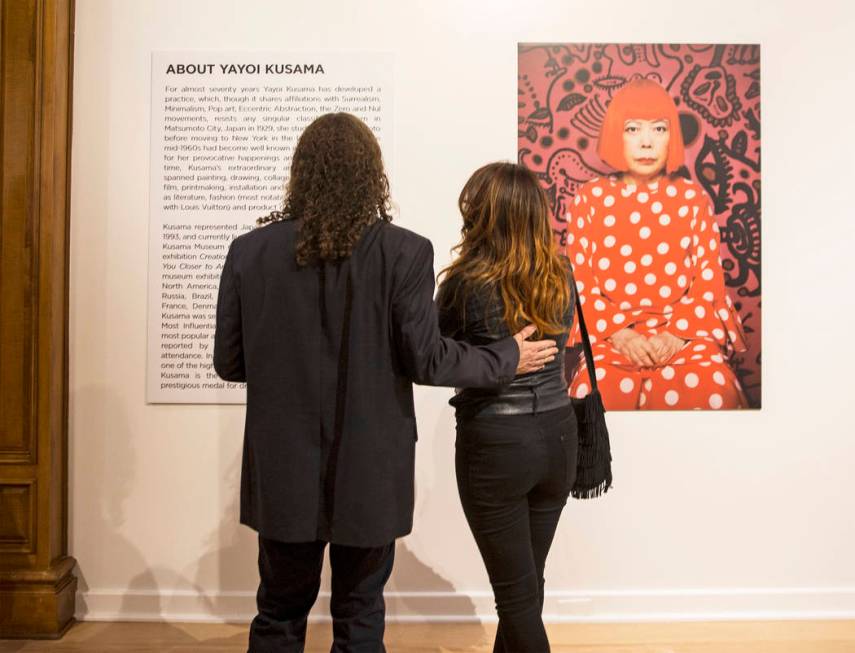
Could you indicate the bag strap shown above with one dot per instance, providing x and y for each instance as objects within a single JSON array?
[{"x": 586, "y": 341}]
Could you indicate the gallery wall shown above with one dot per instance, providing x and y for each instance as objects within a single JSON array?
[{"x": 713, "y": 515}]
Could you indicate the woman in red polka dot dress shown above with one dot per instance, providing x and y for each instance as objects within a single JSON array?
[{"x": 644, "y": 244}]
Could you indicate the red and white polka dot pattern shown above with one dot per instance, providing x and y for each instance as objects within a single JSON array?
[{"x": 649, "y": 258}]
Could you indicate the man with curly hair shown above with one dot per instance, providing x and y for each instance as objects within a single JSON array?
[{"x": 327, "y": 314}]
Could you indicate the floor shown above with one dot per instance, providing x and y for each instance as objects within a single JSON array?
[{"x": 707, "y": 637}]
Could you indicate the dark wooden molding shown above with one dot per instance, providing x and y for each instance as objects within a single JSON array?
[{"x": 37, "y": 586}]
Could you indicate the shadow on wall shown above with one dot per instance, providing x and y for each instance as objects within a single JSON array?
[
  {"x": 228, "y": 557},
  {"x": 106, "y": 484},
  {"x": 416, "y": 589},
  {"x": 222, "y": 583},
  {"x": 102, "y": 436}
]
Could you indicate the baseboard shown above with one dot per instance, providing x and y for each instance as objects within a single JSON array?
[{"x": 612, "y": 606}]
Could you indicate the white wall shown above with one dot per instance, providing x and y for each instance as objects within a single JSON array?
[{"x": 730, "y": 515}]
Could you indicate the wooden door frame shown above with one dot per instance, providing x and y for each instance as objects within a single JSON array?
[{"x": 37, "y": 586}]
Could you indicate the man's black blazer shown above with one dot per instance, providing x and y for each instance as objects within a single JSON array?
[{"x": 329, "y": 354}]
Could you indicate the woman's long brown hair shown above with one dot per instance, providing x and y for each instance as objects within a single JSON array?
[{"x": 508, "y": 244}]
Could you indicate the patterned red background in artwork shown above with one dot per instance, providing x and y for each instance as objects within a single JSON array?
[{"x": 563, "y": 92}]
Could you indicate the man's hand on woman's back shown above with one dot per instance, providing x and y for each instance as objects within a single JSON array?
[{"x": 536, "y": 354}]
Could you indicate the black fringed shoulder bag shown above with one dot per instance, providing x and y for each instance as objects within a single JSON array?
[{"x": 594, "y": 462}]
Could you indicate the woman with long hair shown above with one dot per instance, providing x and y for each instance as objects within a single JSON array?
[
  {"x": 516, "y": 445},
  {"x": 645, "y": 250}
]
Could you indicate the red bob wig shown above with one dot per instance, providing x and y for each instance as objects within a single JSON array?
[{"x": 641, "y": 99}]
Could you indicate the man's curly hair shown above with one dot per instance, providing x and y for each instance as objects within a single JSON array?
[{"x": 337, "y": 187}]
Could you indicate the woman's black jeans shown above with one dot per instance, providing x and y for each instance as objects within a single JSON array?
[{"x": 514, "y": 473}]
